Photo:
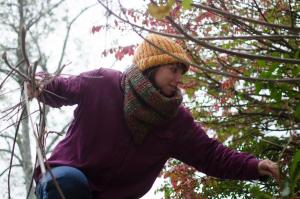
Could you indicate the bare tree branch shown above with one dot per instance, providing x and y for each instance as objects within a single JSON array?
[
  {"x": 59, "y": 67},
  {"x": 42, "y": 14},
  {"x": 239, "y": 54},
  {"x": 11, "y": 152},
  {"x": 14, "y": 165},
  {"x": 233, "y": 16}
]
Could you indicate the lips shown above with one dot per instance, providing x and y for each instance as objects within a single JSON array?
[{"x": 173, "y": 87}]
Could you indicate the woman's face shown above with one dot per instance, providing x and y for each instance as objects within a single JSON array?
[{"x": 167, "y": 78}]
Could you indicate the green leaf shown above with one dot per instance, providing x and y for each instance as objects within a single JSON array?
[
  {"x": 186, "y": 4},
  {"x": 295, "y": 167},
  {"x": 296, "y": 70},
  {"x": 276, "y": 94},
  {"x": 160, "y": 11},
  {"x": 266, "y": 74},
  {"x": 259, "y": 194},
  {"x": 258, "y": 87},
  {"x": 261, "y": 63},
  {"x": 247, "y": 73},
  {"x": 275, "y": 54},
  {"x": 274, "y": 66},
  {"x": 297, "y": 111},
  {"x": 297, "y": 54}
]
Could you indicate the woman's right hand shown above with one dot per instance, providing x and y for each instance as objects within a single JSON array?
[
  {"x": 269, "y": 168},
  {"x": 34, "y": 92}
]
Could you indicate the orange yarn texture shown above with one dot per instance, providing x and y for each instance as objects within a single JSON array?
[{"x": 147, "y": 55}]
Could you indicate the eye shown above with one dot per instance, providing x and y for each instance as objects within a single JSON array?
[{"x": 174, "y": 69}]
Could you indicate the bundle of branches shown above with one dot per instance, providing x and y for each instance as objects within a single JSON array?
[{"x": 31, "y": 84}]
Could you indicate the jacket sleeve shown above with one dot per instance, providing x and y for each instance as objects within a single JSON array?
[
  {"x": 207, "y": 155},
  {"x": 62, "y": 91}
]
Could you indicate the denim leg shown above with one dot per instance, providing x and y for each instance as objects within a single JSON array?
[{"x": 72, "y": 182}]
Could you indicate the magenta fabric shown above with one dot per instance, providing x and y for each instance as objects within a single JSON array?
[{"x": 98, "y": 141}]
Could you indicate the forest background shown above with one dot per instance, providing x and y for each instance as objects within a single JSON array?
[{"x": 243, "y": 86}]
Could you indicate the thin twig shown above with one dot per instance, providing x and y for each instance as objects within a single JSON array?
[
  {"x": 39, "y": 150},
  {"x": 12, "y": 153},
  {"x": 61, "y": 194},
  {"x": 249, "y": 79},
  {"x": 7, "y": 76},
  {"x": 4, "y": 57},
  {"x": 61, "y": 97},
  {"x": 230, "y": 52},
  {"x": 13, "y": 90},
  {"x": 10, "y": 73},
  {"x": 207, "y": 38},
  {"x": 233, "y": 16},
  {"x": 14, "y": 165},
  {"x": 31, "y": 181},
  {"x": 18, "y": 109},
  {"x": 59, "y": 68},
  {"x": 13, "y": 107},
  {"x": 274, "y": 29},
  {"x": 25, "y": 117}
]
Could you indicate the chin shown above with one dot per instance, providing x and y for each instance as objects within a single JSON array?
[{"x": 169, "y": 94}]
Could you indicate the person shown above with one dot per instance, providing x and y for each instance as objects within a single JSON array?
[{"x": 127, "y": 125}]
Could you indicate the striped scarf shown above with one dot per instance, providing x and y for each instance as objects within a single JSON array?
[{"x": 145, "y": 107}]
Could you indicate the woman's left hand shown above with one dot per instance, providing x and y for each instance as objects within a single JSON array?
[{"x": 269, "y": 168}]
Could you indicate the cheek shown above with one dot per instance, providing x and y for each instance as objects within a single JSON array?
[
  {"x": 163, "y": 78},
  {"x": 158, "y": 80}
]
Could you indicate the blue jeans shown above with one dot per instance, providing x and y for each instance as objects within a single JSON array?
[{"x": 72, "y": 182}]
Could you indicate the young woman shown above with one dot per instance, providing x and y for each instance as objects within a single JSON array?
[{"x": 127, "y": 125}]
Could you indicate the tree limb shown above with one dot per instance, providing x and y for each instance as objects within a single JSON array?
[
  {"x": 233, "y": 16},
  {"x": 239, "y": 54}
]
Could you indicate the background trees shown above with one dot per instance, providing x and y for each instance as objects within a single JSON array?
[
  {"x": 243, "y": 86},
  {"x": 40, "y": 18}
]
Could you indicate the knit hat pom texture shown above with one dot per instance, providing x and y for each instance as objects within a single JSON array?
[{"x": 147, "y": 56}]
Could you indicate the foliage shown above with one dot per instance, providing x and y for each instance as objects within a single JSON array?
[{"x": 243, "y": 84}]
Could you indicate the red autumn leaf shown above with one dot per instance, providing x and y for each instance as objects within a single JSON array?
[
  {"x": 119, "y": 55},
  {"x": 96, "y": 29},
  {"x": 174, "y": 183}
]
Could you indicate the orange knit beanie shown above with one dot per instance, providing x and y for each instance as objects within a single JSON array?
[{"x": 147, "y": 56}]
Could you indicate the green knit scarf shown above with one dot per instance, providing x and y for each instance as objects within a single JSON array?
[{"x": 145, "y": 107}]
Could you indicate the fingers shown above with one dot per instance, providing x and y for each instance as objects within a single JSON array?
[
  {"x": 34, "y": 92},
  {"x": 274, "y": 169},
  {"x": 269, "y": 168}
]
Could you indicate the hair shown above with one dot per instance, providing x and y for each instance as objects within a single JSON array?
[{"x": 150, "y": 75}]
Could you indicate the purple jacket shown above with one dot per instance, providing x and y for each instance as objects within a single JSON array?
[{"x": 99, "y": 143}]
